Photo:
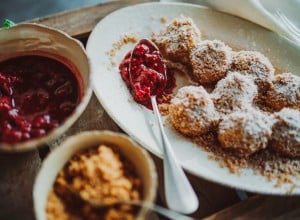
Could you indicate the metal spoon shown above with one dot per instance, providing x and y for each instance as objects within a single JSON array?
[
  {"x": 180, "y": 196},
  {"x": 98, "y": 205}
]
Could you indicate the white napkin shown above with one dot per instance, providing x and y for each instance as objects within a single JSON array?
[{"x": 262, "y": 12}]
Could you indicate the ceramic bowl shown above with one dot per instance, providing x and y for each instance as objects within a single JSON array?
[
  {"x": 55, "y": 162},
  {"x": 34, "y": 39}
]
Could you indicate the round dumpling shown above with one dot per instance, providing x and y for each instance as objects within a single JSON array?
[
  {"x": 245, "y": 132},
  {"x": 284, "y": 92},
  {"x": 286, "y": 133},
  {"x": 178, "y": 39},
  {"x": 234, "y": 92},
  {"x": 192, "y": 111},
  {"x": 255, "y": 65},
  {"x": 210, "y": 61}
]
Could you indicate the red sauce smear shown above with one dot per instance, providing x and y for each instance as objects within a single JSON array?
[
  {"x": 37, "y": 94},
  {"x": 145, "y": 74}
]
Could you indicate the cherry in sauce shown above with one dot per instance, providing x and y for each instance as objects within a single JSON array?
[
  {"x": 144, "y": 72},
  {"x": 37, "y": 94}
]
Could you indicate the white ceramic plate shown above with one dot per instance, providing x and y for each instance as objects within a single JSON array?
[{"x": 138, "y": 121}]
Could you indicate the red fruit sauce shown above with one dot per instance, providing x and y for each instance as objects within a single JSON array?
[
  {"x": 37, "y": 94},
  {"x": 148, "y": 74}
]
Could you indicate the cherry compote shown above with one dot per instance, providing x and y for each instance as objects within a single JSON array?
[
  {"x": 145, "y": 73},
  {"x": 37, "y": 94}
]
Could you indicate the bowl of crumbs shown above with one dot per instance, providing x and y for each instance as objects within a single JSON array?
[
  {"x": 92, "y": 169},
  {"x": 44, "y": 85}
]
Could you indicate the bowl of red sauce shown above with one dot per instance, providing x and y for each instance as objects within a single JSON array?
[{"x": 44, "y": 85}]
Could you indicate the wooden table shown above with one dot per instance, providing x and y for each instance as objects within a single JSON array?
[{"x": 18, "y": 171}]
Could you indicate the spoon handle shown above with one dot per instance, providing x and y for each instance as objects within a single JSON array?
[
  {"x": 179, "y": 193},
  {"x": 148, "y": 207}
]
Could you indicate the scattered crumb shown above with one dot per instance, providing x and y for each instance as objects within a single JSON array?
[
  {"x": 163, "y": 19},
  {"x": 266, "y": 163},
  {"x": 113, "y": 63}
]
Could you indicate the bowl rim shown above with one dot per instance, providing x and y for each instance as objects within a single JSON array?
[
  {"x": 70, "y": 120},
  {"x": 68, "y": 146}
]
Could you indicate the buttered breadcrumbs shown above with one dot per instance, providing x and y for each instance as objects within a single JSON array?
[
  {"x": 192, "y": 111},
  {"x": 176, "y": 41},
  {"x": 98, "y": 174},
  {"x": 266, "y": 163},
  {"x": 210, "y": 61}
]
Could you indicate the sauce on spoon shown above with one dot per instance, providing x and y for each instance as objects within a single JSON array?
[{"x": 145, "y": 74}]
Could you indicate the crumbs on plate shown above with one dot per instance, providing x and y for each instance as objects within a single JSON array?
[{"x": 127, "y": 38}]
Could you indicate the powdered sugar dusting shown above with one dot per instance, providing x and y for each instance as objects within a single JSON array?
[
  {"x": 254, "y": 64},
  {"x": 284, "y": 92},
  {"x": 176, "y": 41},
  {"x": 286, "y": 132},
  {"x": 245, "y": 132},
  {"x": 234, "y": 92},
  {"x": 210, "y": 61},
  {"x": 192, "y": 111}
]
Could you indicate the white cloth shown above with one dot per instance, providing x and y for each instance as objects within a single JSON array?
[{"x": 262, "y": 12}]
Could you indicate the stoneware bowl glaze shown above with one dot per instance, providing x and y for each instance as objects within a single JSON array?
[
  {"x": 34, "y": 39},
  {"x": 59, "y": 157}
]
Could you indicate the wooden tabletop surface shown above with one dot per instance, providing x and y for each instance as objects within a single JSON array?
[{"x": 18, "y": 171}]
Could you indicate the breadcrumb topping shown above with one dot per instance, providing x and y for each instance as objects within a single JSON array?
[
  {"x": 234, "y": 92},
  {"x": 284, "y": 92},
  {"x": 286, "y": 133},
  {"x": 210, "y": 61},
  {"x": 177, "y": 39},
  {"x": 245, "y": 132},
  {"x": 192, "y": 111},
  {"x": 99, "y": 174},
  {"x": 255, "y": 65}
]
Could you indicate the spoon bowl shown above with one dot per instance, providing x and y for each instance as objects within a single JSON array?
[{"x": 148, "y": 76}]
